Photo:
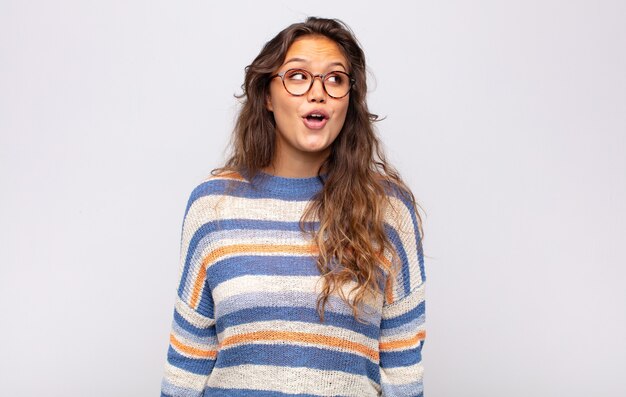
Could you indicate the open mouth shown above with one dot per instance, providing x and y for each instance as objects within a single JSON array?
[
  {"x": 315, "y": 117},
  {"x": 315, "y": 120}
]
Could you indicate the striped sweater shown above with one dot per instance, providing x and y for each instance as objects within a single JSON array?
[{"x": 245, "y": 320}]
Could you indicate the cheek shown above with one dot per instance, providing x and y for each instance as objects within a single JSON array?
[
  {"x": 281, "y": 106},
  {"x": 283, "y": 113},
  {"x": 342, "y": 113},
  {"x": 276, "y": 100}
]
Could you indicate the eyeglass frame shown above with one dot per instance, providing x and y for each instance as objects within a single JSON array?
[{"x": 322, "y": 76}]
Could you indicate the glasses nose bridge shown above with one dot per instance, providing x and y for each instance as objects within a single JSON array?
[{"x": 313, "y": 77}]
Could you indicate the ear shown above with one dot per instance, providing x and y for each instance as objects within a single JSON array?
[{"x": 268, "y": 103}]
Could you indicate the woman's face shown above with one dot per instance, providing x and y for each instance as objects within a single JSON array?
[{"x": 301, "y": 139}]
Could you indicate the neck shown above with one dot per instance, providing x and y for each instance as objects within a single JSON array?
[{"x": 295, "y": 167}]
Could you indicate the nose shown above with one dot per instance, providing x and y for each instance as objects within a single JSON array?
[{"x": 317, "y": 92}]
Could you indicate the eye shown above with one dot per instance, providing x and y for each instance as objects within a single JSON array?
[
  {"x": 296, "y": 75},
  {"x": 335, "y": 78}
]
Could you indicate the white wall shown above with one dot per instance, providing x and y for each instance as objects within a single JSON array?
[{"x": 508, "y": 118}]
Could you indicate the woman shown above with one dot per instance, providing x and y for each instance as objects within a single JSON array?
[{"x": 302, "y": 267}]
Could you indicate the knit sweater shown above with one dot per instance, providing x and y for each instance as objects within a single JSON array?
[{"x": 245, "y": 319}]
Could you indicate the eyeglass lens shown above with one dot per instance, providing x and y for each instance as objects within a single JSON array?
[{"x": 299, "y": 81}]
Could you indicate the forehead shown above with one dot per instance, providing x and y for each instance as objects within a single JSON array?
[{"x": 315, "y": 50}]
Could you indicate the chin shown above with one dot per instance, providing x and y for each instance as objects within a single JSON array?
[
  {"x": 319, "y": 142},
  {"x": 314, "y": 148}
]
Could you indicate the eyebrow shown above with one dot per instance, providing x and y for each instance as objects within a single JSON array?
[{"x": 304, "y": 60}]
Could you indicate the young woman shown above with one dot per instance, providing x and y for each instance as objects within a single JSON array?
[{"x": 302, "y": 266}]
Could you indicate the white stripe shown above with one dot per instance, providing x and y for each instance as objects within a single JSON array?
[
  {"x": 398, "y": 216},
  {"x": 402, "y": 375},
  {"x": 268, "y": 284},
  {"x": 181, "y": 378},
  {"x": 295, "y": 380},
  {"x": 192, "y": 316},
  {"x": 209, "y": 208},
  {"x": 309, "y": 285},
  {"x": 257, "y": 283},
  {"x": 401, "y": 307},
  {"x": 253, "y": 236}
]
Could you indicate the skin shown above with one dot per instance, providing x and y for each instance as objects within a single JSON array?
[{"x": 300, "y": 151}]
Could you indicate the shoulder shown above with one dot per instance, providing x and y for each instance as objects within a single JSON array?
[
  {"x": 403, "y": 226},
  {"x": 400, "y": 206},
  {"x": 209, "y": 193},
  {"x": 215, "y": 185},
  {"x": 218, "y": 182}
]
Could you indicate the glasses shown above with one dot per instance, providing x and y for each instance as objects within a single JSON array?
[{"x": 298, "y": 82}]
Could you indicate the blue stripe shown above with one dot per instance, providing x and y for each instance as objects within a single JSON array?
[
  {"x": 304, "y": 300},
  {"x": 170, "y": 390},
  {"x": 401, "y": 358},
  {"x": 247, "y": 316},
  {"x": 244, "y": 189},
  {"x": 411, "y": 326},
  {"x": 298, "y": 356},
  {"x": 209, "y": 340},
  {"x": 414, "y": 389},
  {"x": 198, "y": 366},
  {"x": 215, "y": 392},
  {"x": 404, "y": 259}
]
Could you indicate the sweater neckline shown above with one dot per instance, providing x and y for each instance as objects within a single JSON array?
[{"x": 280, "y": 184}]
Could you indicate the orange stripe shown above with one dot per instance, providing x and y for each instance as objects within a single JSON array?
[
  {"x": 240, "y": 249},
  {"x": 301, "y": 337},
  {"x": 197, "y": 286},
  {"x": 192, "y": 350},
  {"x": 389, "y": 290},
  {"x": 399, "y": 344},
  {"x": 384, "y": 260}
]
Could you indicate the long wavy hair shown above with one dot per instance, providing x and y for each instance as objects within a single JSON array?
[{"x": 351, "y": 205}]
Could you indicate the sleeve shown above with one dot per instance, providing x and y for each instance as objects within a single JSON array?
[
  {"x": 193, "y": 339},
  {"x": 402, "y": 326}
]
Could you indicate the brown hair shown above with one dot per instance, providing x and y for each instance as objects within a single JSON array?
[{"x": 352, "y": 203}]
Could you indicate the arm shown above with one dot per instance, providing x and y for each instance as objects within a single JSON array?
[
  {"x": 193, "y": 340},
  {"x": 402, "y": 326}
]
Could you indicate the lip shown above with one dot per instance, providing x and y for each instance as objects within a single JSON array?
[
  {"x": 318, "y": 111},
  {"x": 315, "y": 124}
]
